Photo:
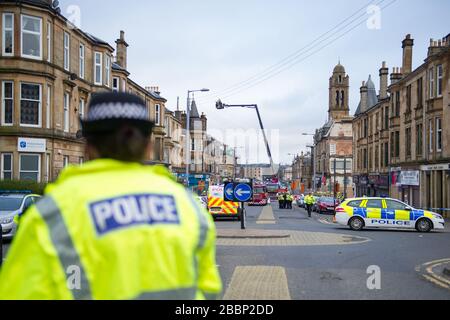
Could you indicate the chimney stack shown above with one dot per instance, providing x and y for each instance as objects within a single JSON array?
[
  {"x": 384, "y": 74},
  {"x": 364, "y": 96},
  {"x": 408, "y": 44},
  {"x": 121, "y": 50},
  {"x": 396, "y": 75}
]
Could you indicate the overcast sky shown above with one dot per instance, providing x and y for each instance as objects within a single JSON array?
[{"x": 190, "y": 44}]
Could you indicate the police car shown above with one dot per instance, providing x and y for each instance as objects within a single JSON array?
[
  {"x": 14, "y": 204},
  {"x": 362, "y": 213}
]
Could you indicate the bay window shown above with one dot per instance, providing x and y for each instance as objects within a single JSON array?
[
  {"x": 31, "y": 37},
  {"x": 30, "y": 104},
  {"x": 6, "y": 166},
  {"x": 115, "y": 86},
  {"x": 107, "y": 70},
  {"x": 66, "y": 111},
  {"x": 98, "y": 62},
  {"x": 7, "y": 102},
  {"x": 66, "y": 51},
  {"x": 48, "y": 107},
  {"x": 30, "y": 167},
  {"x": 49, "y": 42},
  {"x": 8, "y": 34},
  {"x": 431, "y": 82},
  {"x": 82, "y": 60},
  {"x": 157, "y": 114},
  {"x": 81, "y": 111},
  {"x": 440, "y": 75},
  {"x": 438, "y": 134}
]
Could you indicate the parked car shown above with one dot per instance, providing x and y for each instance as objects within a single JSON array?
[
  {"x": 13, "y": 204},
  {"x": 360, "y": 213},
  {"x": 301, "y": 201},
  {"x": 325, "y": 205}
]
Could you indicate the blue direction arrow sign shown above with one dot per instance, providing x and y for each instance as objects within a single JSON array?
[
  {"x": 243, "y": 192},
  {"x": 229, "y": 192}
]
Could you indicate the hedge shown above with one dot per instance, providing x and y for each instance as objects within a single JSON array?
[{"x": 36, "y": 188}]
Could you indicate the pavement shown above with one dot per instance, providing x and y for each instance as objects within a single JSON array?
[{"x": 321, "y": 260}]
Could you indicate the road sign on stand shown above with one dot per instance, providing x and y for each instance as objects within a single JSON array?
[
  {"x": 229, "y": 192},
  {"x": 243, "y": 192}
]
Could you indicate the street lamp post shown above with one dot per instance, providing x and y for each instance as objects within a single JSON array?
[
  {"x": 188, "y": 131},
  {"x": 313, "y": 160}
]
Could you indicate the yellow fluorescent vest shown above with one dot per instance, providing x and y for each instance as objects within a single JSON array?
[{"x": 113, "y": 230}]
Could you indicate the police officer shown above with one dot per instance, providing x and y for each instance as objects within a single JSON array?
[
  {"x": 309, "y": 202},
  {"x": 114, "y": 228},
  {"x": 281, "y": 201}
]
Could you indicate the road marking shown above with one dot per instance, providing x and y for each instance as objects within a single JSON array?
[
  {"x": 324, "y": 221},
  {"x": 258, "y": 283},
  {"x": 266, "y": 216},
  {"x": 428, "y": 272},
  {"x": 296, "y": 238}
]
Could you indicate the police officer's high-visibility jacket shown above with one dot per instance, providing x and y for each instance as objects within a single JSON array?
[
  {"x": 310, "y": 200},
  {"x": 113, "y": 230}
]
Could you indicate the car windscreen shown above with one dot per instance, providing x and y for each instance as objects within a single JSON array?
[
  {"x": 327, "y": 200},
  {"x": 9, "y": 204}
]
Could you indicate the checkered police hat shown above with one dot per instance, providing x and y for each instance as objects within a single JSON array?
[{"x": 109, "y": 111}]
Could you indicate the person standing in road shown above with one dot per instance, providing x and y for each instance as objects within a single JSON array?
[
  {"x": 281, "y": 201},
  {"x": 114, "y": 229},
  {"x": 309, "y": 202}
]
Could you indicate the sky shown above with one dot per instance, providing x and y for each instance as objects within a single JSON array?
[{"x": 228, "y": 46}]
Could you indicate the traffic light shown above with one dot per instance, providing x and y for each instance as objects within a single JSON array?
[{"x": 219, "y": 105}]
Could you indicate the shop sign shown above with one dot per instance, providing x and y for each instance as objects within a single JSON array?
[
  {"x": 32, "y": 145},
  {"x": 436, "y": 167},
  {"x": 410, "y": 178}
]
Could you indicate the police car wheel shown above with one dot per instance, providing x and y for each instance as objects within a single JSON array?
[
  {"x": 356, "y": 224},
  {"x": 424, "y": 225}
]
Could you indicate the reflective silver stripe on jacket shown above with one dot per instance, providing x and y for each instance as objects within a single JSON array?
[
  {"x": 202, "y": 221},
  {"x": 64, "y": 246},
  {"x": 177, "y": 294}
]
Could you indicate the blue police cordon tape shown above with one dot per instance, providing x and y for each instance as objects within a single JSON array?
[{"x": 439, "y": 209}]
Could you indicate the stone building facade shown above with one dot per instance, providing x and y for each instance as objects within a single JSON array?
[
  {"x": 333, "y": 142},
  {"x": 403, "y": 138},
  {"x": 371, "y": 139},
  {"x": 49, "y": 70}
]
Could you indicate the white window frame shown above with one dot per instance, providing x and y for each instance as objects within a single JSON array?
[
  {"x": 66, "y": 161},
  {"x": 440, "y": 78},
  {"x": 157, "y": 114},
  {"x": 82, "y": 61},
  {"x": 2, "y": 162},
  {"x": 48, "y": 107},
  {"x": 33, "y": 33},
  {"x": 39, "y": 125},
  {"x": 431, "y": 133},
  {"x": 438, "y": 132},
  {"x": 116, "y": 87},
  {"x": 66, "y": 48},
  {"x": 66, "y": 111},
  {"x": 431, "y": 82},
  {"x": 4, "y": 53},
  {"x": 39, "y": 164},
  {"x": 82, "y": 108},
  {"x": 107, "y": 70},
  {"x": 100, "y": 65},
  {"x": 49, "y": 41},
  {"x": 3, "y": 122}
]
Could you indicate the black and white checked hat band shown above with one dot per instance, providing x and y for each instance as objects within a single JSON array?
[{"x": 108, "y": 111}]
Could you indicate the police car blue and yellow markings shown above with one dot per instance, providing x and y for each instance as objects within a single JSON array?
[
  {"x": 390, "y": 217},
  {"x": 132, "y": 211}
]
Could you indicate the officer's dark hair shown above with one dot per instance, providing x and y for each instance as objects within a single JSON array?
[
  {"x": 127, "y": 143},
  {"x": 118, "y": 127}
]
